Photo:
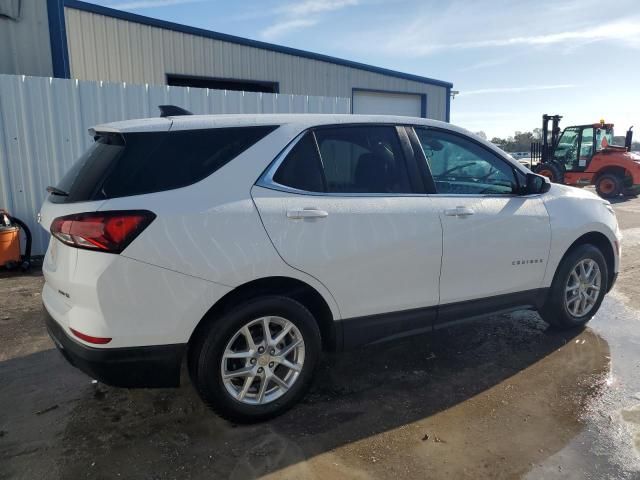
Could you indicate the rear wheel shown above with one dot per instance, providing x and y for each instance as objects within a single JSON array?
[
  {"x": 256, "y": 361},
  {"x": 551, "y": 171},
  {"x": 609, "y": 185},
  {"x": 578, "y": 288}
]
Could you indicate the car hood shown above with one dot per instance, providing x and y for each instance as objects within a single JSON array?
[{"x": 558, "y": 190}]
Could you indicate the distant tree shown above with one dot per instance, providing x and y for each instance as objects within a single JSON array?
[
  {"x": 537, "y": 133},
  {"x": 481, "y": 134},
  {"x": 498, "y": 141},
  {"x": 519, "y": 142}
]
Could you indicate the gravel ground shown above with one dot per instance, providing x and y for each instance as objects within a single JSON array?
[{"x": 506, "y": 398}]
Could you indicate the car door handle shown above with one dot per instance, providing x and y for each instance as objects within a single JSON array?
[
  {"x": 307, "y": 213},
  {"x": 458, "y": 212}
]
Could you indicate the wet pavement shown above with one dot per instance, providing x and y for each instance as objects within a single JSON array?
[{"x": 503, "y": 398}]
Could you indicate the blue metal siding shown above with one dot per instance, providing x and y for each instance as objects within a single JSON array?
[{"x": 58, "y": 37}]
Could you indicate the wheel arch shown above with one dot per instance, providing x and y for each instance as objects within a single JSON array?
[
  {"x": 602, "y": 243},
  {"x": 612, "y": 169},
  {"x": 279, "y": 285}
]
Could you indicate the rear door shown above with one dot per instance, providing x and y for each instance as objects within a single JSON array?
[
  {"x": 346, "y": 205},
  {"x": 496, "y": 242}
]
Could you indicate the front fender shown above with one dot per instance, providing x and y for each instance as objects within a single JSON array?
[{"x": 574, "y": 213}]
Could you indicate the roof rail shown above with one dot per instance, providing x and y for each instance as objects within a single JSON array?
[{"x": 172, "y": 111}]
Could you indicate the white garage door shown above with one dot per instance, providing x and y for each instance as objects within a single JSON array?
[{"x": 386, "y": 103}]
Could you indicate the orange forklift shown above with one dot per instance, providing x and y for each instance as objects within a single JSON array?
[{"x": 583, "y": 155}]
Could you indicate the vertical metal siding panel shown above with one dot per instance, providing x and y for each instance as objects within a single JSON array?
[
  {"x": 24, "y": 43},
  {"x": 140, "y": 57},
  {"x": 8, "y": 119}
]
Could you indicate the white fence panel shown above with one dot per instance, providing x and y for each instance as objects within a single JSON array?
[{"x": 44, "y": 122}]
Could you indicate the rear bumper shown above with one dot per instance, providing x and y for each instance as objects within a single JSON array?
[{"x": 148, "y": 366}]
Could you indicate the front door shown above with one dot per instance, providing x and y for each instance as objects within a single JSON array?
[
  {"x": 495, "y": 242},
  {"x": 342, "y": 207}
]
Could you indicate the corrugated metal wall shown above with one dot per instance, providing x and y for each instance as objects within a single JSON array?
[
  {"x": 24, "y": 41},
  {"x": 106, "y": 48},
  {"x": 44, "y": 122}
]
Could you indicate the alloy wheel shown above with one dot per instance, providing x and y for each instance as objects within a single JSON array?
[
  {"x": 263, "y": 360},
  {"x": 583, "y": 287}
]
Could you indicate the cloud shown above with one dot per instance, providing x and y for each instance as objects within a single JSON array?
[
  {"x": 485, "y": 64},
  {"x": 141, "y": 4},
  {"x": 310, "y": 7},
  {"x": 301, "y": 15},
  {"x": 282, "y": 28},
  {"x": 526, "y": 88},
  {"x": 624, "y": 31}
]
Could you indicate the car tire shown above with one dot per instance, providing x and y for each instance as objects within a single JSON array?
[
  {"x": 558, "y": 311},
  {"x": 609, "y": 185},
  {"x": 208, "y": 359},
  {"x": 551, "y": 171}
]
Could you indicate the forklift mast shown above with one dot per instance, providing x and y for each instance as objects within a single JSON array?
[{"x": 549, "y": 142}]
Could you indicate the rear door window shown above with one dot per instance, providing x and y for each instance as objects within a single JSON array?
[
  {"x": 363, "y": 159},
  {"x": 302, "y": 168},
  {"x": 145, "y": 162}
]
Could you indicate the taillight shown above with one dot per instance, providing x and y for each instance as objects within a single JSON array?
[
  {"x": 109, "y": 231},
  {"x": 90, "y": 338}
]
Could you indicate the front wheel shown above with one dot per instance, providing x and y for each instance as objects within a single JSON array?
[
  {"x": 551, "y": 171},
  {"x": 256, "y": 361},
  {"x": 578, "y": 288}
]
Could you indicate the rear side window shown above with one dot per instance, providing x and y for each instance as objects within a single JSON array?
[{"x": 145, "y": 162}]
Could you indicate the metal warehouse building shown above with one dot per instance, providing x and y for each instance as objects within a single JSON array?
[{"x": 74, "y": 39}]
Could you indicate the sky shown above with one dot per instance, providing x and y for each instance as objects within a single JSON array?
[{"x": 510, "y": 60}]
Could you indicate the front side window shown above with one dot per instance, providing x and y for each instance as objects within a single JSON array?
[
  {"x": 363, "y": 159},
  {"x": 460, "y": 166}
]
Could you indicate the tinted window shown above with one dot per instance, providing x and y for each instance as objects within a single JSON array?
[
  {"x": 363, "y": 160},
  {"x": 461, "y": 166},
  {"x": 145, "y": 162},
  {"x": 586, "y": 148},
  {"x": 301, "y": 168},
  {"x": 82, "y": 179}
]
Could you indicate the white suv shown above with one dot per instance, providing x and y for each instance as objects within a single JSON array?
[{"x": 247, "y": 244}]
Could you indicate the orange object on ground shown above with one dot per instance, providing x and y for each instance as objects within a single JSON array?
[{"x": 9, "y": 245}]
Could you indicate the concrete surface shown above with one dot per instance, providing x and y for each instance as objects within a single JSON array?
[{"x": 505, "y": 398}]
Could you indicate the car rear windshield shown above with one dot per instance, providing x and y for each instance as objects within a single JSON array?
[{"x": 120, "y": 165}]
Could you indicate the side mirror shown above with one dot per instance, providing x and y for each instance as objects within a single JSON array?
[{"x": 537, "y": 184}]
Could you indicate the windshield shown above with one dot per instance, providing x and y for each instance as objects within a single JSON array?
[{"x": 567, "y": 144}]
